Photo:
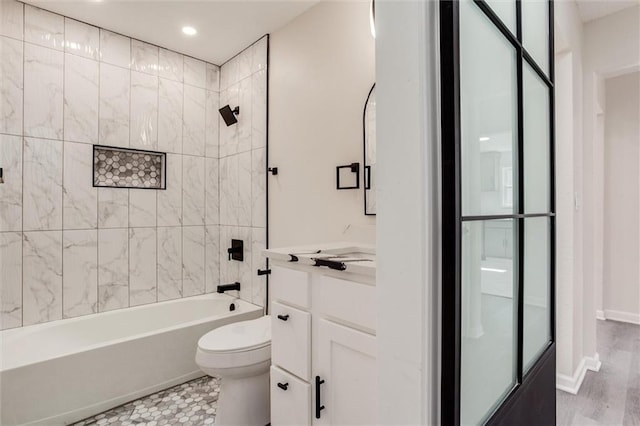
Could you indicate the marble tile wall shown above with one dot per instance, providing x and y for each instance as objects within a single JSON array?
[
  {"x": 69, "y": 249},
  {"x": 242, "y": 169}
]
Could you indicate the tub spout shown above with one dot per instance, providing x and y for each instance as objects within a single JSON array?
[{"x": 228, "y": 287}]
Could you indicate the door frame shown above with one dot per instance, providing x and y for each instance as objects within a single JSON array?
[{"x": 533, "y": 396}]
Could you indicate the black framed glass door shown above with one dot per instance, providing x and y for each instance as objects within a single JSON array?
[{"x": 498, "y": 212}]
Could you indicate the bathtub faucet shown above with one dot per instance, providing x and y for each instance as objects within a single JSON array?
[{"x": 228, "y": 287}]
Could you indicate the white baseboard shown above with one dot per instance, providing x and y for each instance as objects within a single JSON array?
[
  {"x": 600, "y": 315},
  {"x": 571, "y": 384},
  {"x": 593, "y": 362},
  {"x": 622, "y": 316}
]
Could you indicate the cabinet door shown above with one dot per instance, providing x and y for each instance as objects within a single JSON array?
[
  {"x": 346, "y": 360},
  {"x": 290, "y": 399},
  {"x": 291, "y": 339}
]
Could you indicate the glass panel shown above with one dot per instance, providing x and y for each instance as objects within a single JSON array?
[
  {"x": 536, "y": 142},
  {"x": 488, "y": 115},
  {"x": 506, "y": 11},
  {"x": 537, "y": 329},
  {"x": 535, "y": 31},
  {"x": 488, "y": 360}
]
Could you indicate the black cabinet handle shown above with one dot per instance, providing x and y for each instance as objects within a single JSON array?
[
  {"x": 331, "y": 264},
  {"x": 283, "y": 317},
  {"x": 319, "y": 406},
  {"x": 283, "y": 386}
]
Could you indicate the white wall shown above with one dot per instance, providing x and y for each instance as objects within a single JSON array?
[
  {"x": 321, "y": 70},
  {"x": 569, "y": 127},
  {"x": 621, "y": 282},
  {"x": 407, "y": 279}
]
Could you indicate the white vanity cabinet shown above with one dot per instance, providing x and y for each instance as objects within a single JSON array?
[{"x": 323, "y": 347}]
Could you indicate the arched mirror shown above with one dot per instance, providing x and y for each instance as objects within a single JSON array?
[{"x": 369, "y": 130}]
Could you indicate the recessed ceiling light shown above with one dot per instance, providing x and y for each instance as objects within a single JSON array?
[
  {"x": 190, "y": 31},
  {"x": 484, "y": 138}
]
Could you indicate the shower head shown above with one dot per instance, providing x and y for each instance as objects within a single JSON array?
[{"x": 229, "y": 115}]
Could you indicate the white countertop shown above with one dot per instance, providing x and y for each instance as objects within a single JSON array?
[{"x": 354, "y": 258}]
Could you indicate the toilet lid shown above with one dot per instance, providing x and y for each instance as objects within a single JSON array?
[{"x": 239, "y": 336}]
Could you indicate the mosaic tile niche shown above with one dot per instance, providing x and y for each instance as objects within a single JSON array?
[{"x": 125, "y": 168}]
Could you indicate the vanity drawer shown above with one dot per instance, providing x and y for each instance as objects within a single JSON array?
[
  {"x": 290, "y": 286},
  {"x": 291, "y": 339},
  {"x": 346, "y": 301},
  {"x": 290, "y": 399}
]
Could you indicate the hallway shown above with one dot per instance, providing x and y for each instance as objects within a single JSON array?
[{"x": 612, "y": 395}]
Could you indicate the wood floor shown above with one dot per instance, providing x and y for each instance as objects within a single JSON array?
[{"x": 612, "y": 395}]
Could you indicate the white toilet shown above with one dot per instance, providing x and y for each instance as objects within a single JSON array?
[{"x": 240, "y": 355}]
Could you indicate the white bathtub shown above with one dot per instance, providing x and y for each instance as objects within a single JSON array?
[{"x": 63, "y": 371}]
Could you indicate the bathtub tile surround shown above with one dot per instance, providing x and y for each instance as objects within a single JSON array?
[
  {"x": 142, "y": 274},
  {"x": 113, "y": 167},
  {"x": 193, "y": 190},
  {"x": 195, "y": 72},
  {"x": 115, "y": 49},
  {"x": 44, "y": 28},
  {"x": 11, "y": 70},
  {"x": 43, "y": 92},
  {"x": 192, "y": 404},
  {"x": 170, "y": 263},
  {"x": 115, "y": 93},
  {"x": 42, "y": 277},
  {"x": 171, "y": 65},
  {"x": 80, "y": 201},
  {"x": 42, "y": 184},
  {"x": 170, "y": 107},
  {"x": 144, "y": 57},
  {"x": 11, "y": 267},
  {"x": 12, "y": 20},
  {"x": 79, "y": 273},
  {"x": 193, "y": 268},
  {"x": 69, "y": 85},
  {"x": 143, "y": 131},
  {"x": 193, "y": 129},
  {"x": 113, "y": 269},
  {"x": 113, "y": 208},
  {"x": 11, "y": 190},
  {"x": 81, "y": 99},
  {"x": 170, "y": 200},
  {"x": 242, "y": 166},
  {"x": 81, "y": 39}
]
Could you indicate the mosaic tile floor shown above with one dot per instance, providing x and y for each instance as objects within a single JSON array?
[{"x": 190, "y": 404}]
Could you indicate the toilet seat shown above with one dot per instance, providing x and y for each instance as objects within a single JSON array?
[
  {"x": 236, "y": 345},
  {"x": 238, "y": 337}
]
